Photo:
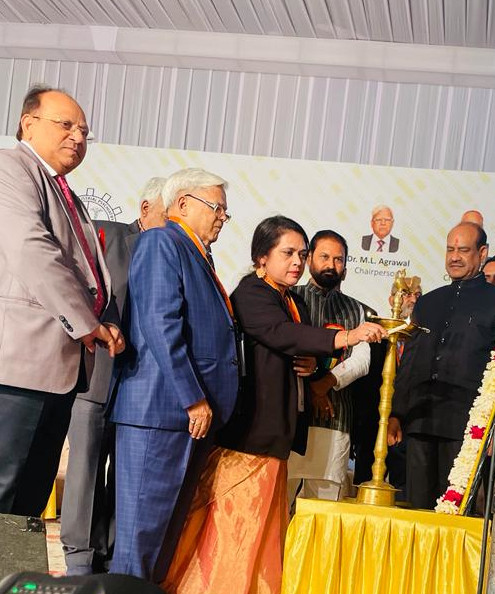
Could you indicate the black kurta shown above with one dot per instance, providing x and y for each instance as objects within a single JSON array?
[{"x": 440, "y": 372}]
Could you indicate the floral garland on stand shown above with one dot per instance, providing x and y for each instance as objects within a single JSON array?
[{"x": 463, "y": 471}]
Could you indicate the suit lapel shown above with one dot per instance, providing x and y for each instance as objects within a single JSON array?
[
  {"x": 201, "y": 261},
  {"x": 100, "y": 258},
  {"x": 57, "y": 192}
]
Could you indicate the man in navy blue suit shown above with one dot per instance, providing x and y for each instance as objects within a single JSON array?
[{"x": 180, "y": 383}]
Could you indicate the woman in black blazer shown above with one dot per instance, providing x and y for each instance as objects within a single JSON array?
[{"x": 233, "y": 539}]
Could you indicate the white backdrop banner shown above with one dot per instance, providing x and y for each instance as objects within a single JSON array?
[{"x": 319, "y": 195}]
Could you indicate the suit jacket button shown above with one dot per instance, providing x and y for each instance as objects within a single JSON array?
[
  {"x": 61, "y": 318},
  {"x": 235, "y": 361},
  {"x": 434, "y": 376},
  {"x": 93, "y": 291}
]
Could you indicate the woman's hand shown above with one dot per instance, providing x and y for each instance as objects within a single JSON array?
[
  {"x": 366, "y": 332},
  {"x": 304, "y": 366}
]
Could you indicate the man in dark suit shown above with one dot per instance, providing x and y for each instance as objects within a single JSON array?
[
  {"x": 441, "y": 371},
  {"x": 88, "y": 502},
  {"x": 382, "y": 221},
  {"x": 54, "y": 290},
  {"x": 181, "y": 382}
]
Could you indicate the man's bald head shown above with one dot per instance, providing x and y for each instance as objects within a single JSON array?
[{"x": 472, "y": 216}]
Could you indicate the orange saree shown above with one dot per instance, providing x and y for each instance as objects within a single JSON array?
[{"x": 233, "y": 539}]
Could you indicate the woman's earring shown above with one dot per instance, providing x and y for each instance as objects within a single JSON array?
[{"x": 261, "y": 272}]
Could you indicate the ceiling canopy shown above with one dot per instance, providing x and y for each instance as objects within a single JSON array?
[
  {"x": 434, "y": 22},
  {"x": 392, "y": 82}
]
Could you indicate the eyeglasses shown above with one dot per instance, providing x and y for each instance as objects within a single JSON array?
[
  {"x": 382, "y": 220},
  {"x": 218, "y": 209},
  {"x": 68, "y": 126}
]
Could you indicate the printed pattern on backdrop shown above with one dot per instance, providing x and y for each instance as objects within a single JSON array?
[{"x": 319, "y": 195}]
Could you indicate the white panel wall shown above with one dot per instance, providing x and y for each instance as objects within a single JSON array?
[{"x": 369, "y": 122}]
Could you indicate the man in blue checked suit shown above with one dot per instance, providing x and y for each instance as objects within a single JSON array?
[{"x": 180, "y": 384}]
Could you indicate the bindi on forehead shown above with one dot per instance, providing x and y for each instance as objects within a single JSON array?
[{"x": 464, "y": 239}]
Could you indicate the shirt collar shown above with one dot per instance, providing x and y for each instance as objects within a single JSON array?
[
  {"x": 314, "y": 288},
  {"x": 479, "y": 279},
  {"x": 207, "y": 249},
  {"x": 50, "y": 169},
  {"x": 376, "y": 239}
]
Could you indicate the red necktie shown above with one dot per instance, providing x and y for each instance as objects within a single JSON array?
[
  {"x": 380, "y": 245},
  {"x": 100, "y": 299}
]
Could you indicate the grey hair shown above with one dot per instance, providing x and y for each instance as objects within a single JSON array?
[
  {"x": 380, "y": 207},
  {"x": 187, "y": 180},
  {"x": 153, "y": 190}
]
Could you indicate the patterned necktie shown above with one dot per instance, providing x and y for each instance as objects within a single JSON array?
[
  {"x": 100, "y": 299},
  {"x": 381, "y": 243}
]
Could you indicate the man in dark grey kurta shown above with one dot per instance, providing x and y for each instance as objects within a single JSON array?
[{"x": 324, "y": 467}]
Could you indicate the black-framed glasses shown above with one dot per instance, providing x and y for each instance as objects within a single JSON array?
[
  {"x": 218, "y": 209},
  {"x": 68, "y": 126}
]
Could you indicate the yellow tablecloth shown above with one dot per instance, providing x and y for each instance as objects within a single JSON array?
[{"x": 346, "y": 548}]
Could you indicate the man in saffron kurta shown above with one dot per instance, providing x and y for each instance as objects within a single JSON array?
[{"x": 181, "y": 382}]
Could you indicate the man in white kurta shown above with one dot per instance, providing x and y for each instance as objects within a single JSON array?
[{"x": 324, "y": 467}]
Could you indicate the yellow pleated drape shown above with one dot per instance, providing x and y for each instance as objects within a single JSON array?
[{"x": 346, "y": 548}]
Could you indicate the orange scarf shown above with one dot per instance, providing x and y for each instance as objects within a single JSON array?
[
  {"x": 194, "y": 238},
  {"x": 296, "y": 318}
]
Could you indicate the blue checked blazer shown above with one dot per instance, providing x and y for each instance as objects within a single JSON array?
[{"x": 182, "y": 337}]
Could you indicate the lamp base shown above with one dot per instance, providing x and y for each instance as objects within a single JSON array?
[{"x": 376, "y": 493}]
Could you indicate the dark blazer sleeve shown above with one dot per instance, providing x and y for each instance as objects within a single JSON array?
[
  {"x": 263, "y": 315},
  {"x": 402, "y": 384},
  {"x": 117, "y": 257}
]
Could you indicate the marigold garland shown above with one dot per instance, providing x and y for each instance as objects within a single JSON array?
[{"x": 480, "y": 417}]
